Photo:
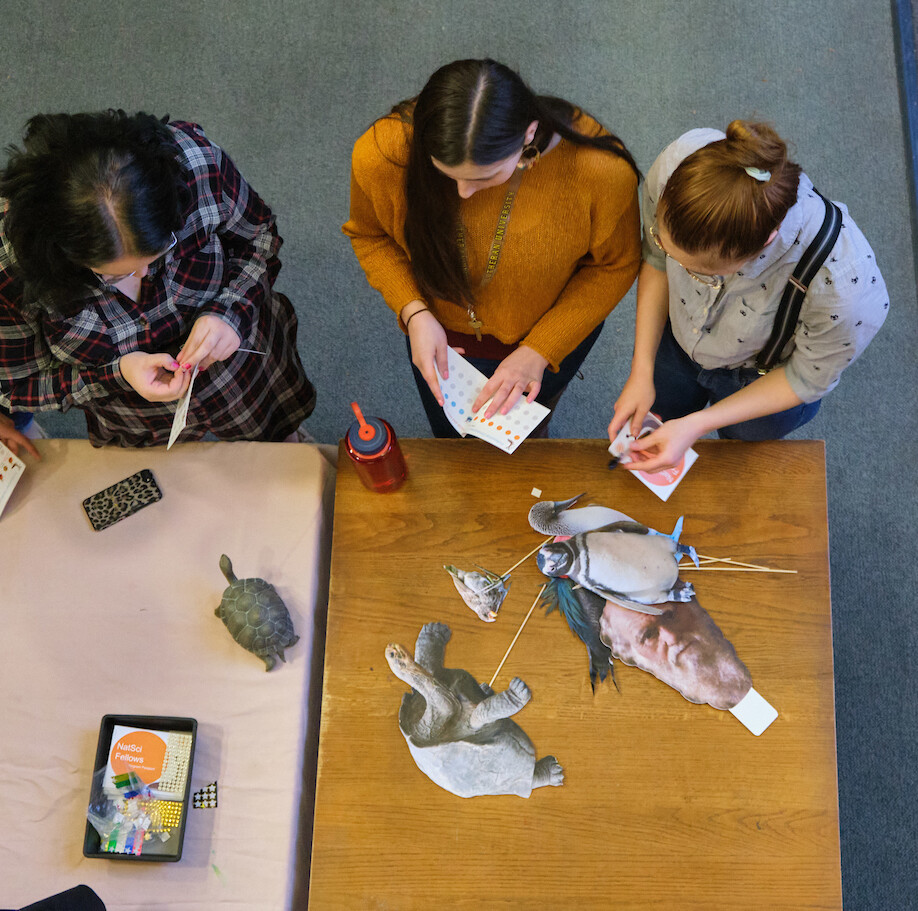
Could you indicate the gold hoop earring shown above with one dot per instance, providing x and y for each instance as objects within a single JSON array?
[{"x": 529, "y": 156}]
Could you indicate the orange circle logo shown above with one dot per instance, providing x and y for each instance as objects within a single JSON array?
[
  {"x": 667, "y": 476},
  {"x": 141, "y": 752}
]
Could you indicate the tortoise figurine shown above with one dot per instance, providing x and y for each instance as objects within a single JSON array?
[
  {"x": 256, "y": 616},
  {"x": 458, "y": 731}
]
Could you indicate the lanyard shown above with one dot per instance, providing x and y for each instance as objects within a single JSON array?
[{"x": 500, "y": 235}]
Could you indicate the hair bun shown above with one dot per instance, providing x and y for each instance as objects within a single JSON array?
[{"x": 756, "y": 145}]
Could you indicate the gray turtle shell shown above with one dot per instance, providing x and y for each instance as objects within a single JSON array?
[
  {"x": 500, "y": 753},
  {"x": 257, "y": 619}
]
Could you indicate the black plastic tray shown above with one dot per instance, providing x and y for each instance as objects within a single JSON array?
[{"x": 91, "y": 840}]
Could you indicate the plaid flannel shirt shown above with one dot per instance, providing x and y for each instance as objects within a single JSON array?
[{"x": 224, "y": 263}]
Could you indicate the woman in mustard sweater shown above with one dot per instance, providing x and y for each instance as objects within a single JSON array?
[{"x": 433, "y": 187}]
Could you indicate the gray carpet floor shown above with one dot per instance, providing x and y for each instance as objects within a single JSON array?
[{"x": 286, "y": 87}]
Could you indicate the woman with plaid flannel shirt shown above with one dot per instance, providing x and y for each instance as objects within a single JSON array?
[{"x": 132, "y": 251}]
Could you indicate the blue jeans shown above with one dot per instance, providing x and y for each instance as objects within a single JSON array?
[
  {"x": 21, "y": 419},
  {"x": 553, "y": 384},
  {"x": 684, "y": 387}
]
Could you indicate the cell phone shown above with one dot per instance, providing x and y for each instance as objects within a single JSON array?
[{"x": 121, "y": 500}]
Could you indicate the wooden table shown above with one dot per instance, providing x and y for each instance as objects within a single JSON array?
[{"x": 666, "y": 805}]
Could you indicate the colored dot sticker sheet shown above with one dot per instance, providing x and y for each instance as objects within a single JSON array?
[
  {"x": 505, "y": 431},
  {"x": 11, "y": 469}
]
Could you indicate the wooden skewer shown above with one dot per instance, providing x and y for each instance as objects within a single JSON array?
[
  {"x": 735, "y": 569},
  {"x": 517, "y": 636},
  {"x": 500, "y": 579},
  {"x": 740, "y": 563},
  {"x": 731, "y": 560}
]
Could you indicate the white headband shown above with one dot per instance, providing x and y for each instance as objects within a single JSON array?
[{"x": 758, "y": 174}]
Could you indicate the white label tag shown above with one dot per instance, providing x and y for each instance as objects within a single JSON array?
[
  {"x": 181, "y": 411},
  {"x": 754, "y": 712}
]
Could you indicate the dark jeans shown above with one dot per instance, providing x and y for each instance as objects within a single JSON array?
[
  {"x": 553, "y": 385},
  {"x": 684, "y": 386},
  {"x": 21, "y": 419}
]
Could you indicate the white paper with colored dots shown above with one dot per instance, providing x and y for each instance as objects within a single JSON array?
[
  {"x": 11, "y": 469},
  {"x": 505, "y": 431}
]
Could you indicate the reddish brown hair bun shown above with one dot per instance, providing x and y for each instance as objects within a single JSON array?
[{"x": 711, "y": 204}]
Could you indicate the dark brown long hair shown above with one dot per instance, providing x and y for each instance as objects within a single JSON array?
[
  {"x": 711, "y": 204},
  {"x": 88, "y": 189},
  {"x": 474, "y": 111}
]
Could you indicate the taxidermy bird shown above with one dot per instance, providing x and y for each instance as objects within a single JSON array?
[
  {"x": 624, "y": 562},
  {"x": 556, "y": 517},
  {"x": 582, "y": 610},
  {"x": 483, "y": 592}
]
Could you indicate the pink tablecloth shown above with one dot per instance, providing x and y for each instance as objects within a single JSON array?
[{"x": 122, "y": 621}]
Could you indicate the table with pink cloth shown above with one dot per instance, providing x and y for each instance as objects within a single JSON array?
[{"x": 122, "y": 622}]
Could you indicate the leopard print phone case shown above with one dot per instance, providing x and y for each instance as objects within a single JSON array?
[{"x": 121, "y": 500}]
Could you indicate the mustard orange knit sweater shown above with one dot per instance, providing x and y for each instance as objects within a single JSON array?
[{"x": 572, "y": 250}]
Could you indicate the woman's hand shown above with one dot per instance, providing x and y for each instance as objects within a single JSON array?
[
  {"x": 428, "y": 346},
  {"x": 636, "y": 398},
  {"x": 155, "y": 377},
  {"x": 518, "y": 373},
  {"x": 211, "y": 339},
  {"x": 13, "y": 439},
  {"x": 665, "y": 447}
]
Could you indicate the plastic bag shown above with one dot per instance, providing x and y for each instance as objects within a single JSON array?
[{"x": 120, "y": 816}]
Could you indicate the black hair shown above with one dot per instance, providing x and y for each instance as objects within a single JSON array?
[
  {"x": 474, "y": 111},
  {"x": 87, "y": 189}
]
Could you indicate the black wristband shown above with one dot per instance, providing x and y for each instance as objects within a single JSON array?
[{"x": 416, "y": 312}]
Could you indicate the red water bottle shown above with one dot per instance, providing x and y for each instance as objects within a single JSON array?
[{"x": 374, "y": 450}]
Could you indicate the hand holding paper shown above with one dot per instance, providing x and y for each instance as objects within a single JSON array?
[
  {"x": 13, "y": 439},
  {"x": 155, "y": 377},
  {"x": 631, "y": 453},
  {"x": 461, "y": 390},
  {"x": 664, "y": 447},
  {"x": 211, "y": 339},
  {"x": 11, "y": 469},
  {"x": 519, "y": 373}
]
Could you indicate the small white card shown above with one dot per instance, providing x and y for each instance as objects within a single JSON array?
[
  {"x": 664, "y": 482},
  {"x": 754, "y": 712},
  {"x": 181, "y": 411},
  {"x": 505, "y": 431},
  {"x": 11, "y": 469}
]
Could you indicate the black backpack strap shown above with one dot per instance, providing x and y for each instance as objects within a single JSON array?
[{"x": 792, "y": 298}]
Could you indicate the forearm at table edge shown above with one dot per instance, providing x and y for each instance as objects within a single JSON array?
[{"x": 770, "y": 394}]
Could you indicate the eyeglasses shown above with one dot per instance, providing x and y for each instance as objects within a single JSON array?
[
  {"x": 114, "y": 279},
  {"x": 711, "y": 281}
]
